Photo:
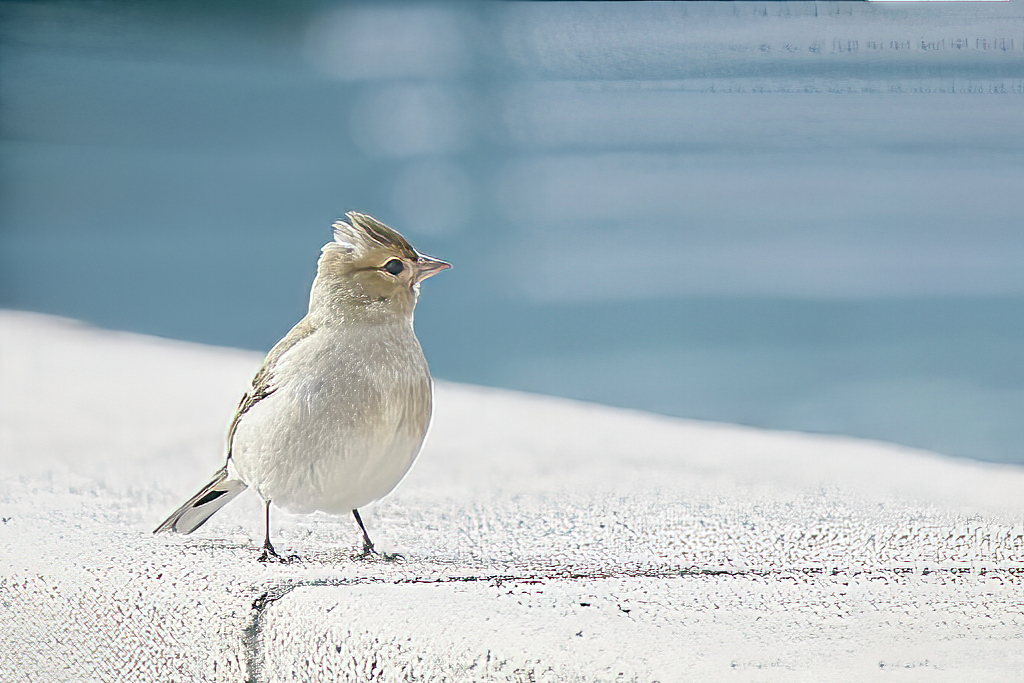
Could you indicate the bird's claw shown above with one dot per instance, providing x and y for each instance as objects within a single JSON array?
[
  {"x": 370, "y": 554},
  {"x": 271, "y": 555}
]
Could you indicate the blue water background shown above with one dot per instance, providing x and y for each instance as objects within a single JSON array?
[{"x": 791, "y": 215}]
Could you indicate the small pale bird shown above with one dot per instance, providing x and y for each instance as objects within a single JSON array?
[{"x": 340, "y": 408}]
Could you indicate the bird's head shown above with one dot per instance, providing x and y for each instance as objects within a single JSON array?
[{"x": 369, "y": 271}]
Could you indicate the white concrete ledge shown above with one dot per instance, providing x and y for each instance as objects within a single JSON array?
[{"x": 544, "y": 540}]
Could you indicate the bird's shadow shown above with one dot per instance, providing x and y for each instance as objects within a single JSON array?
[
  {"x": 215, "y": 544},
  {"x": 323, "y": 556},
  {"x": 333, "y": 556}
]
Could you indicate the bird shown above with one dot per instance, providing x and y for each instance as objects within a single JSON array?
[{"x": 340, "y": 407}]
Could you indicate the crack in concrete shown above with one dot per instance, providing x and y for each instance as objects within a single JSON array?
[
  {"x": 252, "y": 635},
  {"x": 252, "y": 640}
]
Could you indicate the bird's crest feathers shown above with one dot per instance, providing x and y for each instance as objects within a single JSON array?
[{"x": 362, "y": 233}]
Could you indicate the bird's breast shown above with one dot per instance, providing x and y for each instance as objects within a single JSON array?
[{"x": 347, "y": 416}]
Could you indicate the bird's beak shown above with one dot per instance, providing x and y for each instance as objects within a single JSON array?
[{"x": 427, "y": 266}]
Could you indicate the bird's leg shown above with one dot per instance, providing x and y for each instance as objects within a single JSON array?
[
  {"x": 367, "y": 543},
  {"x": 368, "y": 550},
  {"x": 268, "y": 548}
]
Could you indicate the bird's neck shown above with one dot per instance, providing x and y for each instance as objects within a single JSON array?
[{"x": 330, "y": 313}]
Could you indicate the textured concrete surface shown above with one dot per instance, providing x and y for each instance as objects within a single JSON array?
[{"x": 543, "y": 540}]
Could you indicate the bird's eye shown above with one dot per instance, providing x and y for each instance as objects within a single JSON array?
[{"x": 394, "y": 266}]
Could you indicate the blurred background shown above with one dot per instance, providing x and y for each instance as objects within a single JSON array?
[{"x": 791, "y": 215}]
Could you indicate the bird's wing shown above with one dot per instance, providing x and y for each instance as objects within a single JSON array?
[{"x": 262, "y": 382}]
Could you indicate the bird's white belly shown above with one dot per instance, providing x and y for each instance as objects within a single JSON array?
[{"x": 333, "y": 443}]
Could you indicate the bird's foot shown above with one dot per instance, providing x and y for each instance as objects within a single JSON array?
[
  {"x": 271, "y": 555},
  {"x": 370, "y": 554}
]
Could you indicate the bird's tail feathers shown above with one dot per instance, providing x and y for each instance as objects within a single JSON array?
[{"x": 193, "y": 514}]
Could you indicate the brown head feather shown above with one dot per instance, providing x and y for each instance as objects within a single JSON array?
[{"x": 382, "y": 234}]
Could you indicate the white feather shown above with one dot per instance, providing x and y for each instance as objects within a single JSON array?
[{"x": 345, "y": 236}]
